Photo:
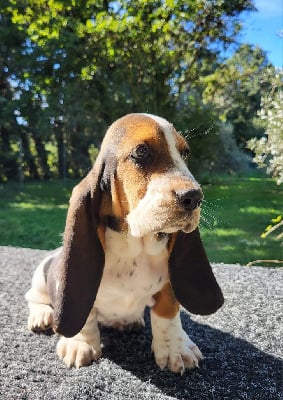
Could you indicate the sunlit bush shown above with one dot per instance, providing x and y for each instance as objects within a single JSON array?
[{"x": 268, "y": 150}]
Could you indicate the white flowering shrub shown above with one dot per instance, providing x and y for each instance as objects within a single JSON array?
[{"x": 269, "y": 149}]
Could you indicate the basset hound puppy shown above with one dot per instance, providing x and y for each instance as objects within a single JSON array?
[{"x": 131, "y": 240}]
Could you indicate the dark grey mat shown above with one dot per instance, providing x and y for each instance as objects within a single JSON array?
[{"x": 241, "y": 344}]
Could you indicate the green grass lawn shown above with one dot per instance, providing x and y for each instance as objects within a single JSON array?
[
  {"x": 33, "y": 214},
  {"x": 234, "y": 214}
]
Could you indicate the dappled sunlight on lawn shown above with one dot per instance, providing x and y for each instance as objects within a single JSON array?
[
  {"x": 227, "y": 232},
  {"x": 33, "y": 227},
  {"x": 234, "y": 215},
  {"x": 32, "y": 206},
  {"x": 33, "y": 214},
  {"x": 258, "y": 210}
]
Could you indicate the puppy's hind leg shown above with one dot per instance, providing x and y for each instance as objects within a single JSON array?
[{"x": 41, "y": 313}]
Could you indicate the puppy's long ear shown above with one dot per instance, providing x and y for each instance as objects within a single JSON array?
[
  {"x": 80, "y": 265},
  {"x": 191, "y": 276}
]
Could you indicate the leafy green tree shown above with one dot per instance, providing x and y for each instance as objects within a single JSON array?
[
  {"x": 86, "y": 63},
  {"x": 8, "y": 153},
  {"x": 10, "y": 47},
  {"x": 268, "y": 150},
  {"x": 235, "y": 88}
]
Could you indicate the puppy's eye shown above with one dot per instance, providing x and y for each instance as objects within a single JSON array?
[
  {"x": 185, "y": 154},
  {"x": 141, "y": 153}
]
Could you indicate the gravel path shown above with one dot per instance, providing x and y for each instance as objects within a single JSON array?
[{"x": 241, "y": 343}]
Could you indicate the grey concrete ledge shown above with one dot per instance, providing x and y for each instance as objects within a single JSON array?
[{"x": 242, "y": 344}]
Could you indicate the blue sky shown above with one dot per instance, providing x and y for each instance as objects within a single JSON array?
[{"x": 263, "y": 28}]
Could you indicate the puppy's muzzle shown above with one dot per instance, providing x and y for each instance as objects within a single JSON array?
[{"x": 189, "y": 200}]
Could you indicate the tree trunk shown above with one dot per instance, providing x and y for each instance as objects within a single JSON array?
[
  {"x": 80, "y": 159},
  {"x": 42, "y": 157},
  {"x": 28, "y": 157},
  {"x": 62, "y": 159}
]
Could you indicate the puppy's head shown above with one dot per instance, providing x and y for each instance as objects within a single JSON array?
[{"x": 151, "y": 186}]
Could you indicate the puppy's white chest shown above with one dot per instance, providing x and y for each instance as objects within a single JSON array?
[{"x": 135, "y": 269}]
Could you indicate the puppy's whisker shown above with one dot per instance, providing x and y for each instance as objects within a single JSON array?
[
  {"x": 214, "y": 202},
  {"x": 215, "y": 219},
  {"x": 187, "y": 132},
  {"x": 211, "y": 208},
  {"x": 189, "y": 137},
  {"x": 208, "y": 223}
]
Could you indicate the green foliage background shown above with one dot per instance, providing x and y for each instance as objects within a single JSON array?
[{"x": 70, "y": 68}]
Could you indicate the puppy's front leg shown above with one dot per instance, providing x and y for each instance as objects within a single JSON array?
[
  {"x": 83, "y": 348},
  {"x": 171, "y": 345}
]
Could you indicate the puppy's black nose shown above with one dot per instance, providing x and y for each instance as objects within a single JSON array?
[{"x": 189, "y": 200}]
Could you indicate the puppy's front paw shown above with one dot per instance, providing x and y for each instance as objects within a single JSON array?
[
  {"x": 176, "y": 352},
  {"x": 76, "y": 353},
  {"x": 40, "y": 317}
]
